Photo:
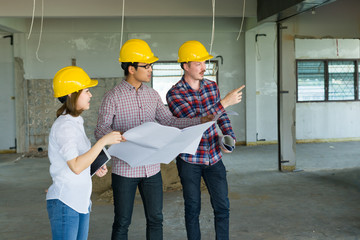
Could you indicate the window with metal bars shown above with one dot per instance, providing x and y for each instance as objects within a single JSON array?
[
  {"x": 165, "y": 74},
  {"x": 327, "y": 80}
]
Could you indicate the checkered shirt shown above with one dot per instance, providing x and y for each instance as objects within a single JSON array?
[
  {"x": 184, "y": 102},
  {"x": 124, "y": 108}
]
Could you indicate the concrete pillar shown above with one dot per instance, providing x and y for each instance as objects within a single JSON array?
[
  {"x": 22, "y": 136},
  {"x": 250, "y": 89},
  {"x": 287, "y": 105}
]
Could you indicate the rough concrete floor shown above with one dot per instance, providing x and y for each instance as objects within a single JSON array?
[{"x": 321, "y": 200}]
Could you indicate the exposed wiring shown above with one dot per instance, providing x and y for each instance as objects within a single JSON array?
[
  {"x": 32, "y": 20},
  {"x": 258, "y": 55},
  {"x": 41, "y": 29},
  {"x": 242, "y": 21},
  {"x": 213, "y": 26},
  {"x": 122, "y": 23},
  {"x": 212, "y": 32},
  {"x": 257, "y": 45}
]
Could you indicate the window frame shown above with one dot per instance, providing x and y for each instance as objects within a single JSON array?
[{"x": 326, "y": 79}]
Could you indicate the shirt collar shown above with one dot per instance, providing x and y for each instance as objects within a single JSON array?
[
  {"x": 78, "y": 119},
  {"x": 128, "y": 86},
  {"x": 185, "y": 85}
]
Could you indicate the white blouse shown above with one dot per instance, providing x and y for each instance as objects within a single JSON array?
[{"x": 67, "y": 140}]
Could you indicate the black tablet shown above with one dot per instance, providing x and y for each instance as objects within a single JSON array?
[{"x": 100, "y": 160}]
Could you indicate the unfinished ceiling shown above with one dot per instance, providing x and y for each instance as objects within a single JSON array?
[{"x": 133, "y": 8}]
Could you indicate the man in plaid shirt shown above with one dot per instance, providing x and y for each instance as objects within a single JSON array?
[
  {"x": 128, "y": 105},
  {"x": 195, "y": 96}
]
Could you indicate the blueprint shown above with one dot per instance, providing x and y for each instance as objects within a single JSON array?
[{"x": 152, "y": 143}]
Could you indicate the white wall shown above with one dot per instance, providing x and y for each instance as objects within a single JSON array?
[
  {"x": 261, "y": 86},
  {"x": 7, "y": 94},
  {"x": 327, "y": 120},
  {"x": 327, "y": 48},
  {"x": 266, "y": 83},
  {"x": 338, "y": 20}
]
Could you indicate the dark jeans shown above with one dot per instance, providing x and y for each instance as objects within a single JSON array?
[
  {"x": 151, "y": 192},
  {"x": 216, "y": 183}
]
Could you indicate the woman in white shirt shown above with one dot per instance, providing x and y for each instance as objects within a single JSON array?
[{"x": 71, "y": 154}]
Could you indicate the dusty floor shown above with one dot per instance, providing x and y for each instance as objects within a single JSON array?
[{"x": 321, "y": 200}]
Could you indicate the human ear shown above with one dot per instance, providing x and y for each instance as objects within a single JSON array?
[
  {"x": 131, "y": 69},
  {"x": 186, "y": 66}
]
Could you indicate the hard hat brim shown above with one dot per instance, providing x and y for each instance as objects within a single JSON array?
[
  {"x": 152, "y": 60},
  {"x": 196, "y": 60},
  {"x": 93, "y": 83},
  {"x": 148, "y": 61}
]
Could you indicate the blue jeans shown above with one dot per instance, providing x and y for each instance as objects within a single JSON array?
[
  {"x": 66, "y": 223},
  {"x": 151, "y": 192},
  {"x": 216, "y": 183}
]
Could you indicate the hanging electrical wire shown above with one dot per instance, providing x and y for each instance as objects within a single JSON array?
[
  {"x": 242, "y": 21},
  {"x": 32, "y": 19},
  {"x": 213, "y": 26},
  {"x": 212, "y": 33},
  {"x": 258, "y": 55},
  {"x": 122, "y": 23},
  {"x": 41, "y": 29}
]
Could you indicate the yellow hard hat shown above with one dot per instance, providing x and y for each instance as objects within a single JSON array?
[
  {"x": 193, "y": 51},
  {"x": 71, "y": 79},
  {"x": 136, "y": 50}
]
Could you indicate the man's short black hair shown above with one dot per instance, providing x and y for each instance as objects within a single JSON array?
[{"x": 125, "y": 66}]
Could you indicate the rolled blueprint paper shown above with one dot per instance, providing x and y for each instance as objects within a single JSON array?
[{"x": 227, "y": 142}]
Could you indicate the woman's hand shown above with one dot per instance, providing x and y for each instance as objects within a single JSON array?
[
  {"x": 80, "y": 163},
  {"x": 113, "y": 138},
  {"x": 102, "y": 171}
]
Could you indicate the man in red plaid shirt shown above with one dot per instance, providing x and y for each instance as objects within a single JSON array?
[
  {"x": 195, "y": 96},
  {"x": 127, "y": 105}
]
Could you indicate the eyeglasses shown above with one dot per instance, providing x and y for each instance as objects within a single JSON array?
[{"x": 147, "y": 66}]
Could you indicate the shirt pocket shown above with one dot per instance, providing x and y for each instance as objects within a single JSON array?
[{"x": 150, "y": 110}]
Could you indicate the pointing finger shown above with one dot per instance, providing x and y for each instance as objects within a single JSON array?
[{"x": 240, "y": 88}]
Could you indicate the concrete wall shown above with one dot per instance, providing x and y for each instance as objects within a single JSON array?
[
  {"x": 328, "y": 120},
  {"x": 266, "y": 83},
  {"x": 95, "y": 44},
  {"x": 42, "y": 108},
  {"x": 261, "y": 84},
  {"x": 338, "y": 20},
  {"x": 7, "y": 94}
]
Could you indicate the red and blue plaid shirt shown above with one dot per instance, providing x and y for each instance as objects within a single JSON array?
[{"x": 184, "y": 102}]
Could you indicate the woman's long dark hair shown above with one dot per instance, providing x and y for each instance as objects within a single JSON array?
[{"x": 69, "y": 105}]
